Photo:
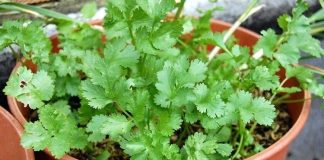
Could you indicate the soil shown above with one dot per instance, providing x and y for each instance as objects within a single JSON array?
[
  {"x": 266, "y": 136},
  {"x": 116, "y": 153}
]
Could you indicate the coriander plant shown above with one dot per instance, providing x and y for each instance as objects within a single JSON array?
[{"x": 141, "y": 90}]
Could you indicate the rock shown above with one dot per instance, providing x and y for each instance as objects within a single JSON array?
[
  {"x": 234, "y": 8},
  {"x": 7, "y": 62}
]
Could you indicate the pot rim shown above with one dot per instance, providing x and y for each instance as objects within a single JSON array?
[
  {"x": 265, "y": 154},
  {"x": 29, "y": 153},
  {"x": 292, "y": 133}
]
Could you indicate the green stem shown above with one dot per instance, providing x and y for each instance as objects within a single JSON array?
[
  {"x": 282, "y": 39},
  {"x": 182, "y": 133},
  {"x": 314, "y": 69},
  {"x": 127, "y": 114},
  {"x": 239, "y": 147},
  {"x": 253, "y": 127},
  {"x": 294, "y": 101},
  {"x": 242, "y": 133},
  {"x": 131, "y": 33},
  {"x": 317, "y": 30},
  {"x": 122, "y": 110},
  {"x": 16, "y": 55},
  {"x": 187, "y": 46},
  {"x": 278, "y": 100},
  {"x": 307, "y": 57},
  {"x": 180, "y": 8},
  {"x": 276, "y": 91},
  {"x": 247, "y": 13}
]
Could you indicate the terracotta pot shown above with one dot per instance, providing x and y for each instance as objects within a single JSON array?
[
  {"x": 11, "y": 130},
  {"x": 298, "y": 111}
]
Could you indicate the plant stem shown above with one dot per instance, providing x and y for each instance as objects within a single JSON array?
[
  {"x": 122, "y": 110},
  {"x": 281, "y": 40},
  {"x": 250, "y": 11},
  {"x": 16, "y": 55},
  {"x": 183, "y": 133},
  {"x": 131, "y": 33},
  {"x": 276, "y": 91},
  {"x": 317, "y": 30},
  {"x": 242, "y": 133},
  {"x": 278, "y": 100},
  {"x": 239, "y": 147},
  {"x": 187, "y": 46},
  {"x": 295, "y": 101},
  {"x": 253, "y": 127},
  {"x": 180, "y": 8},
  {"x": 314, "y": 69}
]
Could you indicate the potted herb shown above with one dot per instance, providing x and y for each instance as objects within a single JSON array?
[{"x": 152, "y": 86}]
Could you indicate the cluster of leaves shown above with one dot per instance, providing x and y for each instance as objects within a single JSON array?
[{"x": 145, "y": 86}]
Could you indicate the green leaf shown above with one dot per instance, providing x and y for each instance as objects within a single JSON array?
[
  {"x": 224, "y": 149},
  {"x": 166, "y": 35},
  {"x": 112, "y": 125},
  {"x": 67, "y": 62},
  {"x": 211, "y": 38},
  {"x": 283, "y": 21},
  {"x": 59, "y": 146},
  {"x": 95, "y": 94},
  {"x": 155, "y": 8},
  {"x": 301, "y": 73},
  {"x": 67, "y": 85},
  {"x": 30, "y": 89},
  {"x": 168, "y": 122},
  {"x": 308, "y": 44},
  {"x": 249, "y": 108},
  {"x": 56, "y": 129},
  {"x": 208, "y": 101},
  {"x": 148, "y": 145},
  {"x": 36, "y": 48},
  {"x": 136, "y": 148},
  {"x": 116, "y": 124},
  {"x": 267, "y": 43},
  {"x": 78, "y": 40},
  {"x": 95, "y": 126},
  {"x": 118, "y": 30},
  {"x": 35, "y": 136},
  {"x": 171, "y": 151},
  {"x": 104, "y": 155},
  {"x": 287, "y": 54},
  {"x": 198, "y": 147},
  {"x": 176, "y": 80},
  {"x": 89, "y": 9},
  {"x": 120, "y": 4},
  {"x": 263, "y": 79},
  {"x": 119, "y": 53}
]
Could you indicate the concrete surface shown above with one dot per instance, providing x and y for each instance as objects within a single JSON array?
[{"x": 232, "y": 9}]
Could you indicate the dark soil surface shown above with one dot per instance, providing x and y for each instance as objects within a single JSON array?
[
  {"x": 266, "y": 136},
  {"x": 116, "y": 153}
]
